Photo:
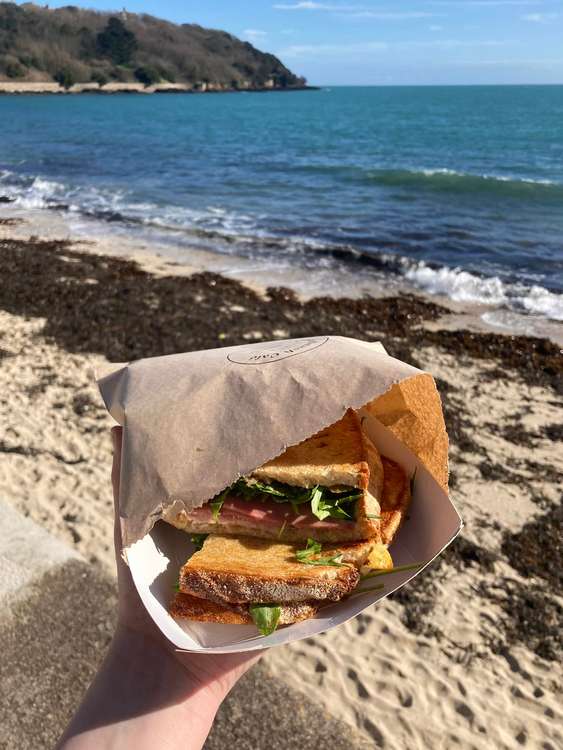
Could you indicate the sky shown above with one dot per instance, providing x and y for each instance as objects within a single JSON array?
[{"x": 387, "y": 42}]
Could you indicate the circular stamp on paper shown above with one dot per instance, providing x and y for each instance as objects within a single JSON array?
[{"x": 275, "y": 351}]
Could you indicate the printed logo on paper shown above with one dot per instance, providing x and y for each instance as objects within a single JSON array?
[{"x": 275, "y": 351}]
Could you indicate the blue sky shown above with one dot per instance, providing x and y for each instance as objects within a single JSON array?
[{"x": 388, "y": 42}]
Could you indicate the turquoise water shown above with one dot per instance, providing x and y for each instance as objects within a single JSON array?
[{"x": 457, "y": 189}]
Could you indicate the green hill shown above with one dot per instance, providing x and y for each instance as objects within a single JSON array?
[{"x": 71, "y": 45}]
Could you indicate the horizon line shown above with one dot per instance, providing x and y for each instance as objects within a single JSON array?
[{"x": 425, "y": 85}]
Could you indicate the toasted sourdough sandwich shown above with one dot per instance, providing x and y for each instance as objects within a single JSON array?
[
  {"x": 328, "y": 487},
  {"x": 224, "y": 580},
  {"x": 333, "y": 490}
]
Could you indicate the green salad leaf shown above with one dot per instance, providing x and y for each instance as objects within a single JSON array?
[
  {"x": 325, "y": 502},
  {"x": 198, "y": 540},
  {"x": 217, "y": 503},
  {"x": 265, "y": 616},
  {"x": 312, "y": 548},
  {"x": 254, "y": 486},
  {"x": 359, "y": 592},
  {"x": 315, "y": 548}
]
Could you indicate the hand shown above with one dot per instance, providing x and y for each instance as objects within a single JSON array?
[
  {"x": 215, "y": 672},
  {"x": 146, "y": 694}
]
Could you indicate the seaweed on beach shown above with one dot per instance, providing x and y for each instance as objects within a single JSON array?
[
  {"x": 463, "y": 553},
  {"x": 418, "y": 600},
  {"x": 553, "y": 432},
  {"x": 536, "y": 549},
  {"x": 109, "y": 305},
  {"x": 536, "y": 361},
  {"x": 529, "y": 614},
  {"x": 419, "y": 597},
  {"x": 460, "y": 429},
  {"x": 531, "y": 617},
  {"x": 515, "y": 432}
]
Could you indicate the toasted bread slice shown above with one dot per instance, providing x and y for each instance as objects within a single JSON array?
[
  {"x": 334, "y": 457},
  {"x": 395, "y": 501},
  {"x": 186, "y": 607},
  {"x": 246, "y": 570}
]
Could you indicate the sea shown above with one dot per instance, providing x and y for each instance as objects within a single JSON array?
[{"x": 456, "y": 191}]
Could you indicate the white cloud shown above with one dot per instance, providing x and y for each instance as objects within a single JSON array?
[
  {"x": 331, "y": 50},
  {"x": 390, "y": 15},
  {"x": 539, "y": 17},
  {"x": 434, "y": 27},
  {"x": 509, "y": 63},
  {"x": 317, "y": 6},
  {"x": 355, "y": 11},
  {"x": 254, "y": 34},
  {"x": 311, "y": 51},
  {"x": 477, "y": 3},
  {"x": 454, "y": 43}
]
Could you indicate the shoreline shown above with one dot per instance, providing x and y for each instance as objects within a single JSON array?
[
  {"x": 158, "y": 256},
  {"x": 475, "y": 636},
  {"x": 11, "y": 88}
]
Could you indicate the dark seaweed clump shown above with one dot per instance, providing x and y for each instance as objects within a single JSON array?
[
  {"x": 419, "y": 597},
  {"x": 530, "y": 617},
  {"x": 536, "y": 550},
  {"x": 537, "y": 361},
  {"x": 111, "y": 306}
]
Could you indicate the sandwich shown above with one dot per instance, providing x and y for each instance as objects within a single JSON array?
[
  {"x": 328, "y": 487},
  {"x": 295, "y": 534}
]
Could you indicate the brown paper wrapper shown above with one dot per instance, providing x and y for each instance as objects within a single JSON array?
[{"x": 195, "y": 422}]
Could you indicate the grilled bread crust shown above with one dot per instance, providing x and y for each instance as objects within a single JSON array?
[
  {"x": 186, "y": 607},
  {"x": 245, "y": 570},
  {"x": 335, "y": 456},
  {"x": 395, "y": 501},
  {"x": 368, "y": 507}
]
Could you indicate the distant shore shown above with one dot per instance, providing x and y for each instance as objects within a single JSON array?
[{"x": 115, "y": 87}]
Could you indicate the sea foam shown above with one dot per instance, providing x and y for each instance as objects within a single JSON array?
[{"x": 463, "y": 286}]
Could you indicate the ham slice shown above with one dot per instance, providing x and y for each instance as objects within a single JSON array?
[{"x": 267, "y": 514}]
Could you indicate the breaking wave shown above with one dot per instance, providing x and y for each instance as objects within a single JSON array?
[
  {"x": 463, "y": 182},
  {"x": 463, "y": 286},
  {"x": 229, "y": 231}
]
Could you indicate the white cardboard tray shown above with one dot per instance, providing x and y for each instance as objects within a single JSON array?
[{"x": 432, "y": 524}]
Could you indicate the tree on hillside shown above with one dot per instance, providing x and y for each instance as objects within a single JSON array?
[
  {"x": 116, "y": 42},
  {"x": 64, "y": 78},
  {"x": 147, "y": 75}
]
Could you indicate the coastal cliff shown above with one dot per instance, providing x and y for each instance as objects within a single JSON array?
[{"x": 73, "y": 50}]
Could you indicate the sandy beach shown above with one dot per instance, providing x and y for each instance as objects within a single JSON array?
[{"x": 467, "y": 656}]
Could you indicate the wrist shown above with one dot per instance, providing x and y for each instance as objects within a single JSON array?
[
  {"x": 132, "y": 649},
  {"x": 142, "y": 697}
]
